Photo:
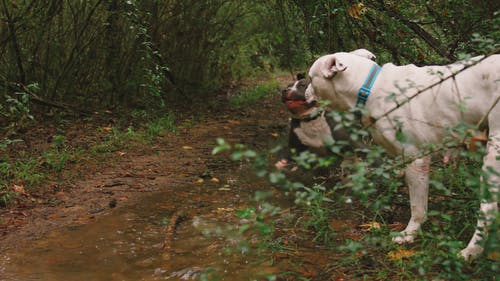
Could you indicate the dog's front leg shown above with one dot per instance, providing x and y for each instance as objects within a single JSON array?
[
  {"x": 489, "y": 197},
  {"x": 417, "y": 178}
]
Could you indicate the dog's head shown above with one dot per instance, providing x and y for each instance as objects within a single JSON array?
[
  {"x": 334, "y": 75},
  {"x": 294, "y": 95}
]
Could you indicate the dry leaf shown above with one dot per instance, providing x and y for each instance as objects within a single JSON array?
[
  {"x": 275, "y": 135},
  {"x": 494, "y": 256},
  {"x": 107, "y": 129},
  {"x": 357, "y": 10},
  {"x": 233, "y": 122},
  {"x": 187, "y": 147},
  {"x": 400, "y": 254},
  {"x": 214, "y": 180},
  {"x": 200, "y": 180},
  {"x": 19, "y": 189},
  {"x": 370, "y": 226}
]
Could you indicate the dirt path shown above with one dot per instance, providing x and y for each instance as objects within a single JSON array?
[{"x": 173, "y": 161}]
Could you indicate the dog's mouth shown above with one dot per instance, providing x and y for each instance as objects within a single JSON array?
[{"x": 297, "y": 105}]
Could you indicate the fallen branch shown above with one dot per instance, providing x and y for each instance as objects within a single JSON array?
[
  {"x": 34, "y": 97},
  {"x": 176, "y": 218}
]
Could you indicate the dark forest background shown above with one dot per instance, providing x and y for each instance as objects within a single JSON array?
[{"x": 82, "y": 56}]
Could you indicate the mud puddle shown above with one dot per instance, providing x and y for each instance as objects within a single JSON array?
[{"x": 128, "y": 243}]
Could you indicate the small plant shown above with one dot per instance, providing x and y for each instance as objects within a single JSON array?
[
  {"x": 16, "y": 110},
  {"x": 6, "y": 142},
  {"x": 161, "y": 126},
  {"x": 374, "y": 185},
  {"x": 57, "y": 156}
]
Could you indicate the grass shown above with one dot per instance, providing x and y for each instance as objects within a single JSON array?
[
  {"x": 30, "y": 170},
  {"x": 248, "y": 96},
  {"x": 377, "y": 193}
]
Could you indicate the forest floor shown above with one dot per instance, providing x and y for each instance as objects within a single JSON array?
[{"x": 95, "y": 184}]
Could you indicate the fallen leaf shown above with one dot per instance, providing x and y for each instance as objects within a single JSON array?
[
  {"x": 107, "y": 128},
  {"x": 121, "y": 153},
  {"x": 200, "y": 180},
  {"x": 187, "y": 147},
  {"x": 19, "y": 189},
  {"x": 275, "y": 135},
  {"x": 233, "y": 122},
  {"x": 400, "y": 254},
  {"x": 357, "y": 10},
  {"x": 53, "y": 216},
  {"x": 215, "y": 180},
  {"x": 279, "y": 256},
  {"x": 397, "y": 226},
  {"x": 494, "y": 256},
  {"x": 370, "y": 226},
  {"x": 225, "y": 209}
]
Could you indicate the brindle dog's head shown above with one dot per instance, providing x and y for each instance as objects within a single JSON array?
[{"x": 294, "y": 96}]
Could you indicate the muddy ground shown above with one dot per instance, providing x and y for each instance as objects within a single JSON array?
[{"x": 89, "y": 188}]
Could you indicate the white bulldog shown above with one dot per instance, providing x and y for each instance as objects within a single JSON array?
[{"x": 422, "y": 103}]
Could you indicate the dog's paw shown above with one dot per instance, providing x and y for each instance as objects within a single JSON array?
[
  {"x": 403, "y": 238},
  {"x": 470, "y": 253}
]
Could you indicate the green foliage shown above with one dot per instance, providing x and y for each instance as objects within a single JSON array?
[
  {"x": 30, "y": 171},
  {"x": 15, "y": 111},
  {"x": 374, "y": 187},
  {"x": 141, "y": 54},
  {"x": 161, "y": 126},
  {"x": 57, "y": 157},
  {"x": 117, "y": 139},
  {"x": 249, "y": 96}
]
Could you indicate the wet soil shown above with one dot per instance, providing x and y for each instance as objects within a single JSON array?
[
  {"x": 86, "y": 189},
  {"x": 178, "y": 168}
]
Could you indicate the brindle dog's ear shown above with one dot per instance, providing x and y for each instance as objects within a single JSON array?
[{"x": 301, "y": 75}]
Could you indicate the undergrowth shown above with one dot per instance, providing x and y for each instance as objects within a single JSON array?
[
  {"x": 23, "y": 172},
  {"x": 372, "y": 193},
  {"x": 248, "y": 96}
]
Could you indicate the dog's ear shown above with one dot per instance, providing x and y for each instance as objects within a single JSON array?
[
  {"x": 301, "y": 76},
  {"x": 364, "y": 53},
  {"x": 331, "y": 66}
]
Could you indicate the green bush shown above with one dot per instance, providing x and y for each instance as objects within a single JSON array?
[{"x": 373, "y": 187}]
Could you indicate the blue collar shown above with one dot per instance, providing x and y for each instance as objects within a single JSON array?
[{"x": 365, "y": 90}]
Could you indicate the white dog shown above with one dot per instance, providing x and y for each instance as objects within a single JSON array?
[{"x": 422, "y": 103}]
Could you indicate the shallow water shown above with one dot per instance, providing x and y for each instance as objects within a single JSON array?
[{"x": 126, "y": 244}]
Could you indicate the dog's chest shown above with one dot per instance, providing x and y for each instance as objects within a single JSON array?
[{"x": 314, "y": 133}]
